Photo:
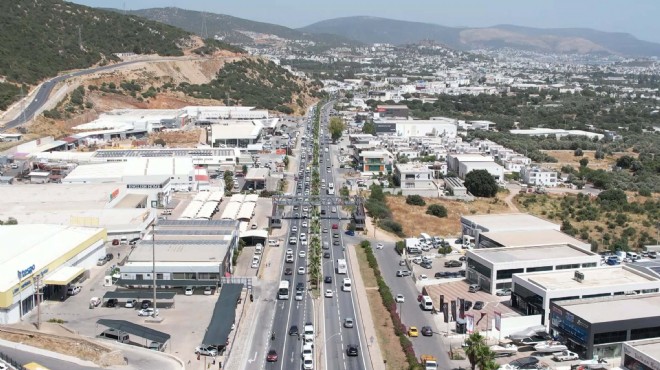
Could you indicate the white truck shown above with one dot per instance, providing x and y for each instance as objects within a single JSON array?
[
  {"x": 430, "y": 362},
  {"x": 565, "y": 355}
]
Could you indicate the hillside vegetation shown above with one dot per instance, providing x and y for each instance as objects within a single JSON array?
[
  {"x": 235, "y": 30},
  {"x": 253, "y": 82}
]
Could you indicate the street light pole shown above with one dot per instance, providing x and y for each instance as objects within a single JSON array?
[{"x": 153, "y": 273}]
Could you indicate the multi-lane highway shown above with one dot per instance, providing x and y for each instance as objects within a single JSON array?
[
  {"x": 332, "y": 346},
  {"x": 337, "y": 335}
]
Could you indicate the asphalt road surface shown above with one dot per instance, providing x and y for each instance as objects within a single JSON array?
[{"x": 41, "y": 97}]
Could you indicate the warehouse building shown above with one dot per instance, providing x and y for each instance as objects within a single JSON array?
[
  {"x": 55, "y": 254},
  {"x": 409, "y": 128},
  {"x": 188, "y": 253},
  {"x": 533, "y": 292},
  {"x": 493, "y": 268},
  {"x": 598, "y": 326},
  {"x": 238, "y": 134},
  {"x": 473, "y": 225},
  {"x": 124, "y": 210}
]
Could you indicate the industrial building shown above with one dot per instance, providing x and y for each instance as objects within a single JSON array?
[
  {"x": 408, "y": 128},
  {"x": 533, "y": 292},
  {"x": 473, "y": 226},
  {"x": 643, "y": 354},
  {"x": 525, "y": 238},
  {"x": 599, "y": 326},
  {"x": 178, "y": 173},
  {"x": 235, "y": 133},
  {"x": 392, "y": 111},
  {"x": 55, "y": 254},
  {"x": 124, "y": 209},
  {"x": 493, "y": 268},
  {"x": 188, "y": 253}
]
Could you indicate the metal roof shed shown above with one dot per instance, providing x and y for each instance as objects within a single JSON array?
[
  {"x": 135, "y": 329},
  {"x": 219, "y": 328},
  {"x": 246, "y": 211}
]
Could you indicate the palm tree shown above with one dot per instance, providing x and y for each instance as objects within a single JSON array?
[
  {"x": 475, "y": 344},
  {"x": 485, "y": 357},
  {"x": 490, "y": 365}
]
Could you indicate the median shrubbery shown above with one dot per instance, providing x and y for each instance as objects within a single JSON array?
[{"x": 389, "y": 303}]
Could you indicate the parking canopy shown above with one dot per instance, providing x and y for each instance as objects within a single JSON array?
[
  {"x": 135, "y": 329},
  {"x": 64, "y": 275},
  {"x": 223, "y": 315},
  {"x": 132, "y": 294}
]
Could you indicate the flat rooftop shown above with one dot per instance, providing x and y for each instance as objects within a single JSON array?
[
  {"x": 521, "y": 238},
  {"x": 509, "y": 221},
  {"x": 650, "y": 347},
  {"x": 236, "y": 130},
  {"x": 559, "y": 251},
  {"x": 593, "y": 277},
  {"x": 38, "y": 244},
  {"x": 181, "y": 251},
  {"x": 54, "y": 197},
  {"x": 412, "y": 167},
  {"x": 599, "y": 310}
]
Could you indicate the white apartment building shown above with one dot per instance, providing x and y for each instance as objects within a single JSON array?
[
  {"x": 415, "y": 178},
  {"x": 493, "y": 169},
  {"x": 539, "y": 176}
]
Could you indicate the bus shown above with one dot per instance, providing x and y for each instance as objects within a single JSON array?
[
  {"x": 341, "y": 266},
  {"x": 283, "y": 291}
]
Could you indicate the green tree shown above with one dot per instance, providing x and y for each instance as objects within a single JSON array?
[
  {"x": 578, "y": 152},
  {"x": 625, "y": 161},
  {"x": 480, "y": 183},
  {"x": 437, "y": 210},
  {"x": 584, "y": 162},
  {"x": 336, "y": 128},
  {"x": 415, "y": 200},
  {"x": 475, "y": 349},
  {"x": 245, "y": 169},
  {"x": 369, "y": 127},
  {"x": 160, "y": 142}
]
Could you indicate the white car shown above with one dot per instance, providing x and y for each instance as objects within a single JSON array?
[
  {"x": 308, "y": 363},
  {"x": 302, "y": 254},
  {"x": 328, "y": 293},
  {"x": 304, "y": 224},
  {"x": 294, "y": 228},
  {"x": 325, "y": 230},
  {"x": 379, "y": 246},
  {"x": 147, "y": 312},
  {"x": 301, "y": 271},
  {"x": 422, "y": 277},
  {"x": 399, "y": 298},
  {"x": 206, "y": 350},
  {"x": 299, "y": 295},
  {"x": 208, "y": 290},
  {"x": 273, "y": 243},
  {"x": 189, "y": 290}
]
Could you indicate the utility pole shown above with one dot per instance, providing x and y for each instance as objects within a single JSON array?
[
  {"x": 153, "y": 273},
  {"x": 39, "y": 294}
]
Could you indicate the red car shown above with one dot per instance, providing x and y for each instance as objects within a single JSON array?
[
  {"x": 272, "y": 356},
  {"x": 335, "y": 226}
]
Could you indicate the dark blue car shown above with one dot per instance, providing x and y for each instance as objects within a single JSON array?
[{"x": 350, "y": 232}]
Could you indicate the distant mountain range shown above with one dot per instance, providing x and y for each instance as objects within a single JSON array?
[
  {"x": 235, "y": 30},
  {"x": 559, "y": 40}
]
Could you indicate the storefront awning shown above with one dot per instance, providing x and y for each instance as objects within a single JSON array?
[{"x": 63, "y": 275}]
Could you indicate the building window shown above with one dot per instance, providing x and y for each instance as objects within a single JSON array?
[
  {"x": 590, "y": 264},
  {"x": 567, "y": 267},
  {"x": 478, "y": 267},
  {"x": 503, "y": 285},
  {"x": 159, "y": 276},
  {"x": 540, "y": 268},
  {"x": 644, "y": 333},
  {"x": 178, "y": 275},
  {"x": 506, "y": 274},
  {"x": 610, "y": 337}
]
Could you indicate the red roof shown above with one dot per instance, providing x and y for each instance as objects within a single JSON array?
[{"x": 201, "y": 178}]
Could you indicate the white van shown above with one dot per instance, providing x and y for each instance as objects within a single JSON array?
[
  {"x": 632, "y": 256},
  {"x": 123, "y": 240},
  {"x": 255, "y": 262},
  {"x": 258, "y": 249},
  {"x": 346, "y": 286},
  {"x": 426, "y": 238},
  {"x": 427, "y": 303}
]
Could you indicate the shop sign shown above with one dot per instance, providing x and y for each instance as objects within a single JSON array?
[
  {"x": 26, "y": 272},
  {"x": 144, "y": 186}
]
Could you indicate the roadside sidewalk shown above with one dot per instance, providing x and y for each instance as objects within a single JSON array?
[{"x": 373, "y": 347}]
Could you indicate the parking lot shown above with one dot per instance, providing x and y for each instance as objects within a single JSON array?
[{"x": 186, "y": 333}]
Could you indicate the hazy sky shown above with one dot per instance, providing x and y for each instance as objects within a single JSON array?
[{"x": 638, "y": 17}]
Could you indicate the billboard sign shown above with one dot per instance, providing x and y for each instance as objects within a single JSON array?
[
  {"x": 469, "y": 323},
  {"x": 498, "y": 321}
]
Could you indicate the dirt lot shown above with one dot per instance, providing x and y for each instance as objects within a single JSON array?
[
  {"x": 566, "y": 157},
  {"x": 67, "y": 344},
  {"x": 389, "y": 343},
  {"x": 415, "y": 220}
]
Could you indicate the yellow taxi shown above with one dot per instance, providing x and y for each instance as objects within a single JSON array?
[{"x": 413, "y": 332}]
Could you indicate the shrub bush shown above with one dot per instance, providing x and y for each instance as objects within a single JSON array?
[
  {"x": 391, "y": 226},
  {"x": 437, "y": 210},
  {"x": 415, "y": 200}
]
